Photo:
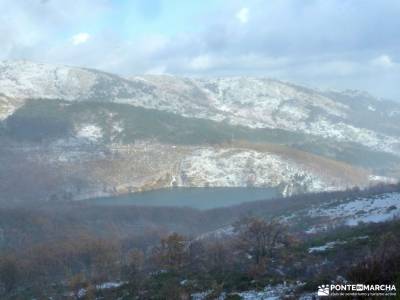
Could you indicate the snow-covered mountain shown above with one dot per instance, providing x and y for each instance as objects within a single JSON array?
[
  {"x": 252, "y": 102},
  {"x": 326, "y": 137}
]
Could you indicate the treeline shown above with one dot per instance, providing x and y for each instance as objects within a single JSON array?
[
  {"x": 256, "y": 253},
  {"x": 171, "y": 268}
]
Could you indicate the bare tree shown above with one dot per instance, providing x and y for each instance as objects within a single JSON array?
[
  {"x": 171, "y": 253},
  {"x": 258, "y": 239}
]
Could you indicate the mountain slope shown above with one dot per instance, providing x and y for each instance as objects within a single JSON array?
[
  {"x": 94, "y": 133},
  {"x": 251, "y": 102}
]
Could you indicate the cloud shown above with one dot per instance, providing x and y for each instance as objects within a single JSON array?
[
  {"x": 158, "y": 70},
  {"x": 80, "y": 38},
  {"x": 201, "y": 62},
  {"x": 383, "y": 61},
  {"x": 328, "y": 43},
  {"x": 243, "y": 15}
]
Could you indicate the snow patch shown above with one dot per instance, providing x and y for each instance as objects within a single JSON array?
[
  {"x": 233, "y": 167},
  {"x": 368, "y": 210},
  {"x": 90, "y": 132},
  {"x": 325, "y": 247}
]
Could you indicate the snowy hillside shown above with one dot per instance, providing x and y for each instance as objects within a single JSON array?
[
  {"x": 122, "y": 169},
  {"x": 92, "y": 133},
  {"x": 328, "y": 213},
  {"x": 244, "y": 167},
  {"x": 349, "y": 212},
  {"x": 251, "y": 102},
  {"x": 374, "y": 209}
]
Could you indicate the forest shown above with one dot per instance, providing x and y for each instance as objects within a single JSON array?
[{"x": 78, "y": 250}]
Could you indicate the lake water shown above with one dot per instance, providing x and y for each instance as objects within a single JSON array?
[{"x": 200, "y": 198}]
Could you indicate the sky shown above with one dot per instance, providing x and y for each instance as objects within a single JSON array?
[{"x": 327, "y": 44}]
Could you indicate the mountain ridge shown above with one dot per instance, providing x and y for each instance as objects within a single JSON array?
[
  {"x": 251, "y": 102},
  {"x": 66, "y": 113}
]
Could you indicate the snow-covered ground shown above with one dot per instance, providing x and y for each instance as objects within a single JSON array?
[
  {"x": 333, "y": 244},
  {"x": 325, "y": 247},
  {"x": 90, "y": 132},
  {"x": 24, "y": 79},
  {"x": 270, "y": 292},
  {"x": 243, "y": 167},
  {"x": 221, "y": 233},
  {"x": 103, "y": 286},
  {"x": 374, "y": 209}
]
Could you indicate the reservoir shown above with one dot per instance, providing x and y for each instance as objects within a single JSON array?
[{"x": 194, "y": 197}]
